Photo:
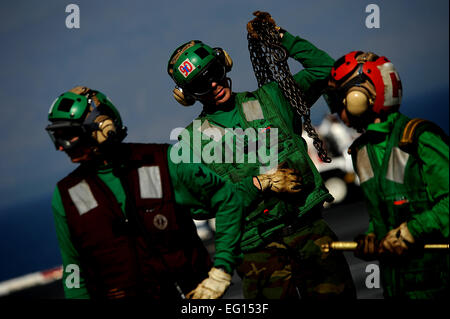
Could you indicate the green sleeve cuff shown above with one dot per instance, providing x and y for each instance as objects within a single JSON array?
[
  {"x": 287, "y": 40},
  {"x": 249, "y": 193},
  {"x": 434, "y": 221},
  {"x": 424, "y": 224},
  {"x": 370, "y": 229},
  {"x": 222, "y": 264},
  {"x": 415, "y": 229},
  {"x": 230, "y": 264},
  {"x": 252, "y": 191}
]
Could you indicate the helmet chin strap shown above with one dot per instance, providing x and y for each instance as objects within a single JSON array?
[{"x": 229, "y": 83}]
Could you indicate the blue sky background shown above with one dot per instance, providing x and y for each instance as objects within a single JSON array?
[{"x": 122, "y": 49}]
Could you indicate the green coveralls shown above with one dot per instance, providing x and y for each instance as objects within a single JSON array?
[
  {"x": 407, "y": 186},
  {"x": 282, "y": 237},
  {"x": 194, "y": 185}
]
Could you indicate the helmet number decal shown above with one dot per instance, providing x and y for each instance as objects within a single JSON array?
[{"x": 186, "y": 68}]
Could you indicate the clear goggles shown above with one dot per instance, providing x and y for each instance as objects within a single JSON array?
[{"x": 68, "y": 135}]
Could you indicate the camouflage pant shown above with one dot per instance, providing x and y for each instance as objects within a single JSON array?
[{"x": 294, "y": 266}]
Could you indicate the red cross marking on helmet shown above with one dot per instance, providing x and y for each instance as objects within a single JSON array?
[{"x": 396, "y": 84}]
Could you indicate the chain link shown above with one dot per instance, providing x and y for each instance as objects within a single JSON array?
[{"x": 269, "y": 61}]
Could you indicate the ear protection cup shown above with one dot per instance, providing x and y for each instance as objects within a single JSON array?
[
  {"x": 180, "y": 97},
  {"x": 357, "y": 101},
  {"x": 227, "y": 61}
]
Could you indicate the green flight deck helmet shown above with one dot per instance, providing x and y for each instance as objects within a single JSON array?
[
  {"x": 86, "y": 114},
  {"x": 194, "y": 66}
]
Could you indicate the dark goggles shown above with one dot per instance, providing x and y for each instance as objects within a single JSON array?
[
  {"x": 201, "y": 84},
  {"x": 69, "y": 135}
]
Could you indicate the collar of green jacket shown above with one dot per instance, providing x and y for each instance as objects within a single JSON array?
[{"x": 386, "y": 126}]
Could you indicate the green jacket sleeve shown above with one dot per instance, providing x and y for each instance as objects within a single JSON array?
[
  {"x": 250, "y": 195},
  {"x": 317, "y": 65},
  {"x": 69, "y": 254},
  {"x": 196, "y": 186},
  {"x": 434, "y": 154}
]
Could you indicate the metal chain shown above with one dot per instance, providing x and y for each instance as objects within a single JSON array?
[{"x": 269, "y": 61}]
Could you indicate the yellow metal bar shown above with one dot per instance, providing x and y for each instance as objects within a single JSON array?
[
  {"x": 436, "y": 246},
  {"x": 351, "y": 245}
]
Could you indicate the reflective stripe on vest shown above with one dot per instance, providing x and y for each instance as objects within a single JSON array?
[
  {"x": 396, "y": 166},
  {"x": 212, "y": 131},
  {"x": 365, "y": 171},
  {"x": 150, "y": 182},
  {"x": 82, "y": 197},
  {"x": 252, "y": 110}
]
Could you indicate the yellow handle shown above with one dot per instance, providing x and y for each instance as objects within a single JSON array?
[
  {"x": 436, "y": 246},
  {"x": 351, "y": 245}
]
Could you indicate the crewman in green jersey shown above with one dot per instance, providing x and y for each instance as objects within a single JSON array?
[
  {"x": 282, "y": 234},
  {"x": 403, "y": 168},
  {"x": 123, "y": 217}
]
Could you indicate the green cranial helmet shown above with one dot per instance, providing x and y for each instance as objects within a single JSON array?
[
  {"x": 194, "y": 66},
  {"x": 75, "y": 116},
  {"x": 188, "y": 60}
]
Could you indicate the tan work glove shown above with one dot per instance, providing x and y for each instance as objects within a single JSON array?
[
  {"x": 261, "y": 16},
  {"x": 105, "y": 124},
  {"x": 279, "y": 180},
  {"x": 212, "y": 287},
  {"x": 80, "y": 90},
  {"x": 105, "y": 127},
  {"x": 396, "y": 240}
]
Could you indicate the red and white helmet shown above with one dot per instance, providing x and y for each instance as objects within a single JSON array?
[{"x": 362, "y": 81}]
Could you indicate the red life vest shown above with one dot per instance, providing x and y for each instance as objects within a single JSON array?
[{"x": 117, "y": 258}]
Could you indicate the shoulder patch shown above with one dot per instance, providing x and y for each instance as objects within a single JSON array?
[
  {"x": 414, "y": 128},
  {"x": 409, "y": 130}
]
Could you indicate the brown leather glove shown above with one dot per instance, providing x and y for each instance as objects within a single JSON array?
[
  {"x": 105, "y": 124},
  {"x": 279, "y": 180},
  {"x": 105, "y": 128},
  {"x": 83, "y": 90},
  {"x": 80, "y": 90},
  {"x": 212, "y": 287},
  {"x": 260, "y": 16},
  {"x": 367, "y": 248},
  {"x": 397, "y": 241}
]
